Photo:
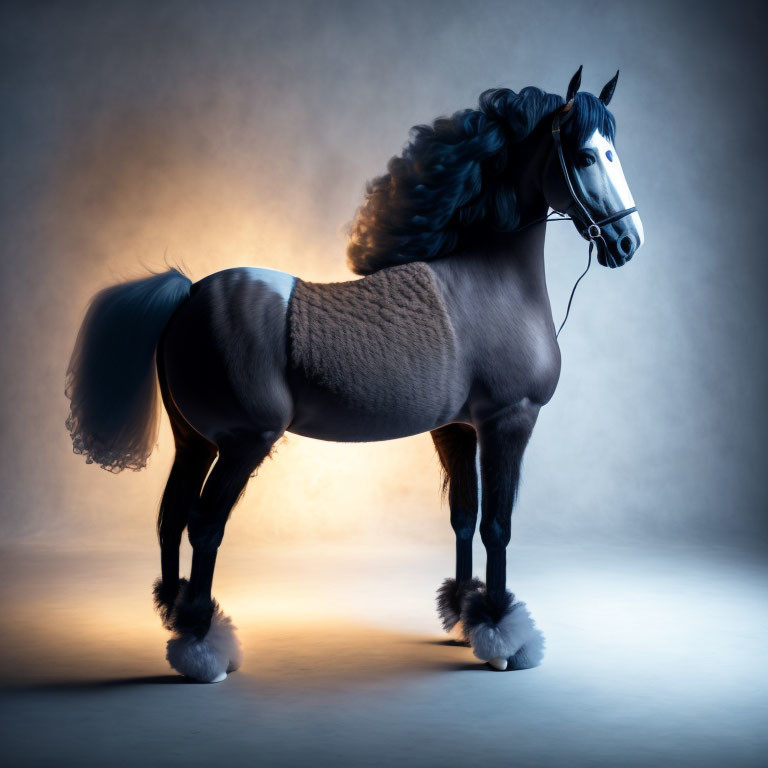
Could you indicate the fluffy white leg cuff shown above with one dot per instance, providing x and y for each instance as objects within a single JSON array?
[
  {"x": 450, "y": 598},
  {"x": 530, "y": 654},
  {"x": 207, "y": 658},
  {"x": 199, "y": 650},
  {"x": 502, "y": 629}
]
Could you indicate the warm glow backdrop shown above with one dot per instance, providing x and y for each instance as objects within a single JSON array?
[{"x": 242, "y": 134}]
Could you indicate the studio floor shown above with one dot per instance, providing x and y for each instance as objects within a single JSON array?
[{"x": 654, "y": 658}]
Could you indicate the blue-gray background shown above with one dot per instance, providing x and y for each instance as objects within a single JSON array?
[{"x": 218, "y": 134}]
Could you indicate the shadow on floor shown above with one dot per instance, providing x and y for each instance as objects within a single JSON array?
[
  {"x": 313, "y": 654},
  {"x": 86, "y": 686}
]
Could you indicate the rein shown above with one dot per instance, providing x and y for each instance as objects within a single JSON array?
[
  {"x": 561, "y": 217},
  {"x": 592, "y": 231}
]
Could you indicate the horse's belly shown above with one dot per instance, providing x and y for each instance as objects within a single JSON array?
[{"x": 329, "y": 415}]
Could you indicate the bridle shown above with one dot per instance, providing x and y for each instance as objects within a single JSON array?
[{"x": 591, "y": 230}]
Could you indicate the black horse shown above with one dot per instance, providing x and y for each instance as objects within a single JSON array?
[{"x": 450, "y": 332}]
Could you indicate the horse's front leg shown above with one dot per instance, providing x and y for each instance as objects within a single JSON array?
[
  {"x": 500, "y": 629},
  {"x": 456, "y": 446}
]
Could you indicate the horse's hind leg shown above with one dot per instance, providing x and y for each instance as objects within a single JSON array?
[
  {"x": 456, "y": 446},
  {"x": 205, "y": 646},
  {"x": 194, "y": 456}
]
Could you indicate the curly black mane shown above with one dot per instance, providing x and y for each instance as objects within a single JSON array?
[{"x": 451, "y": 177}]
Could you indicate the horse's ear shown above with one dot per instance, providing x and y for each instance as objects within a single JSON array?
[
  {"x": 607, "y": 93},
  {"x": 573, "y": 86}
]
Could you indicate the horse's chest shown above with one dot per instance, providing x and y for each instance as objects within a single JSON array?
[{"x": 522, "y": 362}]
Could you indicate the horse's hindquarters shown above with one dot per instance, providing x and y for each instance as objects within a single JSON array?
[{"x": 224, "y": 356}]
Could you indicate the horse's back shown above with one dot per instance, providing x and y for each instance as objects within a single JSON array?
[{"x": 225, "y": 353}]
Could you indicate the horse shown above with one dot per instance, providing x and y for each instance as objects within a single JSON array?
[{"x": 448, "y": 330}]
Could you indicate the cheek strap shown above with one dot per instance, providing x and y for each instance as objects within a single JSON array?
[{"x": 593, "y": 229}]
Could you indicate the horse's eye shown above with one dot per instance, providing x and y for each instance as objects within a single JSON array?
[{"x": 584, "y": 160}]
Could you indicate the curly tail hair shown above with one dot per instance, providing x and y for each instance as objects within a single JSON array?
[{"x": 111, "y": 381}]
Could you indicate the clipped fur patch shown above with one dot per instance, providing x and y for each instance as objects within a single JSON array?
[
  {"x": 382, "y": 343},
  {"x": 502, "y": 629},
  {"x": 450, "y": 597}
]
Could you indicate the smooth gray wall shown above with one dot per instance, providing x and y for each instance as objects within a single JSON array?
[{"x": 116, "y": 115}]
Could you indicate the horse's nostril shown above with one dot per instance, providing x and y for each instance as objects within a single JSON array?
[{"x": 625, "y": 244}]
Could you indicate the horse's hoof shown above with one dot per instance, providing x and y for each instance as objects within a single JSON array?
[
  {"x": 219, "y": 678},
  {"x": 499, "y": 663}
]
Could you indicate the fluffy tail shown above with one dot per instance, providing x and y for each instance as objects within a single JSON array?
[{"x": 111, "y": 380}]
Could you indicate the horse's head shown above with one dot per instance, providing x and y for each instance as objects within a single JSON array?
[{"x": 583, "y": 176}]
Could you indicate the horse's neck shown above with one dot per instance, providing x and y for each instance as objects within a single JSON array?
[{"x": 495, "y": 276}]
